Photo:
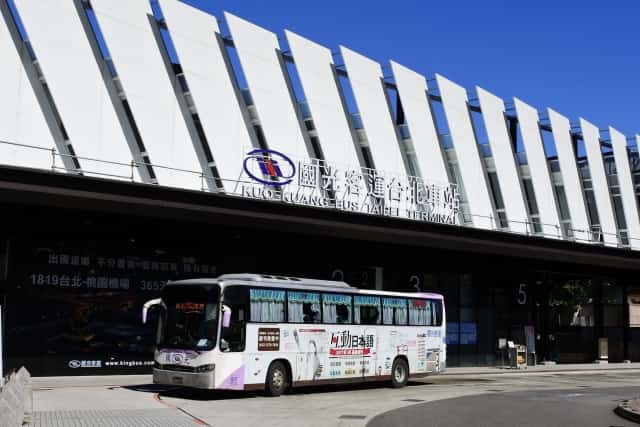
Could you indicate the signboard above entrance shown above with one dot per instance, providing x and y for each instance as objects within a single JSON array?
[{"x": 272, "y": 175}]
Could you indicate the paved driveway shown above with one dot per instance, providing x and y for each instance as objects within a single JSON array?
[
  {"x": 549, "y": 408},
  {"x": 357, "y": 405},
  {"x": 337, "y": 405}
]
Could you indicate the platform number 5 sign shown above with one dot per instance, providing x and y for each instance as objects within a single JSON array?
[{"x": 522, "y": 294}]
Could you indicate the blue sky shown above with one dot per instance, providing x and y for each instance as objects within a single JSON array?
[{"x": 581, "y": 58}]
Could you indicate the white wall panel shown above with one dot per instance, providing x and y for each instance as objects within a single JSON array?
[
  {"x": 591, "y": 136},
  {"x": 258, "y": 52},
  {"x": 194, "y": 35},
  {"x": 454, "y": 101},
  {"x": 504, "y": 159},
  {"x": 538, "y": 168},
  {"x": 74, "y": 80},
  {"x": 315, "y": 68},
  {"x": 569, "y": 172},
  {"x": 138, "y": 61},
  {"x": 412, "y": 89},
  {"x": 365, "y": 77},
  {"x": 21, "y": 120},
  {"x": 625, "y": 181}
]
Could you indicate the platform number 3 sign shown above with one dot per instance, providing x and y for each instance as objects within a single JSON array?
[{"x": 522, "y": 294}]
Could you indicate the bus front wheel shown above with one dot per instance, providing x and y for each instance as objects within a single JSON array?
[
  {"x": 277, "y": 379},
  {"x": 399, "y": 373}
]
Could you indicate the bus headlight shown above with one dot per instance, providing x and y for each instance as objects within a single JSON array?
[{"x": 205, "y": 368}]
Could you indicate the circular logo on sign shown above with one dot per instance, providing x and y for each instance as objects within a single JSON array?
[
  {"x": 269, "y": 167},
  {"x": 74, "y": 364}
]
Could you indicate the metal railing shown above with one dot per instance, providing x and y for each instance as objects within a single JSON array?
[
  {"x": 206, "y": 182},
  {"x": 593, "y": 236}
]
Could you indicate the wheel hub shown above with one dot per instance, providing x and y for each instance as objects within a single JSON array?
[
  {"x": 278, "y": 379},
  {"x": 399, "y": 374}
]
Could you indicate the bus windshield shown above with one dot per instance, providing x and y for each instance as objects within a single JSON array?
[{"x": 191, "y": 317}]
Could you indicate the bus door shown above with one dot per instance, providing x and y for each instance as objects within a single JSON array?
[
  {"x": 367, "y": 315},
  {"x": 369, "y": 351}
]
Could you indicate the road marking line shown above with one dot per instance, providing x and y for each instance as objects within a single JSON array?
[{"x": 197, "y": 420}]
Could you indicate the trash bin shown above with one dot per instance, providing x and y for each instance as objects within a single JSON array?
[
  {"x": 521, "y": 356},
  {"x": 517, "y": 355}
]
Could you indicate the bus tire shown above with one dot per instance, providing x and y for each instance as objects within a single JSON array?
[
  {"x": 277, "y": 380},
  {"x": 399, "y": 373}
]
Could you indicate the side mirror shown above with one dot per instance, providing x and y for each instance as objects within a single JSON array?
[
  {"x": 147, "y": 305},
  {"x": 226, "y": 316}
]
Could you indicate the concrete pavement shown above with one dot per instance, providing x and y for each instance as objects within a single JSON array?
[
  {"x": 90, "y": 404},
  {"x": 568, "y": 367},
  {"x": 549, "y": 408},
  {"x": 316, "y": 406},
  {"x": 355, "y": 406},
  {"x": 113, "y": 418}
]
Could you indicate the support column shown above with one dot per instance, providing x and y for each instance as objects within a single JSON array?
[
  {"x": 379, "y": 276},
  {"x": 597, "y": 317},
  {"x": 4, "y": 262},
  {"x": 4, "y": 268},
  {"x": 626, "y": 332}
]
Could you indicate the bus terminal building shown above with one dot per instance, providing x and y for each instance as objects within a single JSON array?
[{"x": 143, "y": 142}]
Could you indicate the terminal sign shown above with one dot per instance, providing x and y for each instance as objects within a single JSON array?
[{"x": 272, "y": 175}]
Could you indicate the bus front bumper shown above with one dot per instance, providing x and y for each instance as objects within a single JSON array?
[{"x": 204, "y": 380}]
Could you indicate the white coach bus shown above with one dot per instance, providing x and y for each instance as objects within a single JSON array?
[{"x": 248, "y": 332}]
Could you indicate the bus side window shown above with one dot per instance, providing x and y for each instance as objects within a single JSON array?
[
  {"x": 419, "y": 312},
  {"x": 336, "y": 308},
  {"x": 267, "y": 305},
  {"x": 437, "y": 310},
  {"x": 394, "y": 311},
  {"x": 401, "y": 314},
  {"x": 310, "y": 314},
  {"x": 366, "y": 310},
  {"x": 369, "y": 315},
  {"x": 303, "y": 307}
]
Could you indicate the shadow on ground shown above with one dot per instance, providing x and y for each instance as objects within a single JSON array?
[{"x": 211, "y": 395}]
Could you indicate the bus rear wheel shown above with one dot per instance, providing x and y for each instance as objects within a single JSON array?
[
  {"x": 277, "y": 379},
  {"x": 399, "y": 373}
]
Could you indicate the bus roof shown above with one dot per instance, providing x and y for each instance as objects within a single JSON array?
[{"x": 297, "y": 283}]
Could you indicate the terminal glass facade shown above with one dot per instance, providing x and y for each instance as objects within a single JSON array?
[{"x": 73, "y": 299}]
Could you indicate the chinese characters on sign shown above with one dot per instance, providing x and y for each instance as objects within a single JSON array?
[
  {"x": 320, "y": 184},
  {"x": 345, "y": 344},
  {"x": 190, "y": 306},
  {"x": 268, "y": 339},
  {"x": 127, "y": 263},
  {"x": 68, "y": 270},
  {"x": 74, "y": 364}
]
